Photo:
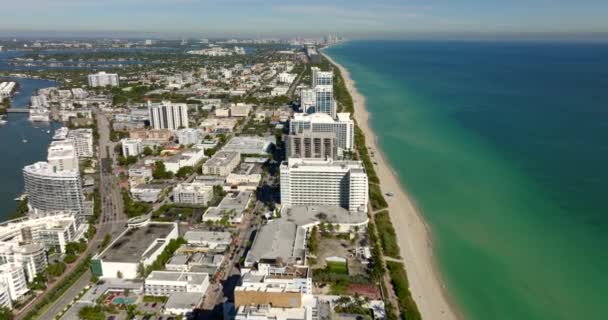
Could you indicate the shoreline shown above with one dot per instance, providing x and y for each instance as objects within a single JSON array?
[{"x": 413, "y": 235}]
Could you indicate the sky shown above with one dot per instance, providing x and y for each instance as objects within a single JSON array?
[{"x": 353, "y": 18}]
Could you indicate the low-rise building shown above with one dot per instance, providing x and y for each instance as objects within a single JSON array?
[
  {"x": 278, "y": 241},
  {"x": 210, "y": 239},
  {"x": 240, "y": 110},
  {"x": 148, "y": 192},
  {"x": 188, "y": 136},
  {"x": 139, "y": 174},
  {"x": 247, "y": 174},
  {"x": 53, "y": 230},
  {"x": 182, "y": 303},
  {"x": 222, "y": 112},
  {"x": 230, "y": 209},
  {"x": 193, "y": 193},
  {"x": 140, "y": 244},
  {"x": 250, "y": 145},
  {"x": 131, "y": 147},
  {"x": 160, "y": 135},
  {"x": 165, "y": 283},
  {"x": 187, "y": 158},
  {"x": 218, "y": 125},
  {"x": 222, "y": 163}
]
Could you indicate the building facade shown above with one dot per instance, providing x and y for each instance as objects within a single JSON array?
[
  {"x": 13, "y": 277},
  {"x": 83, "y": 140},
  {"x": 62, "y": 155},
  {"x": 131, "y": 147},
  {"x": 342, "y": 127},
  {"x": 165, "y": 283},
  {"x": 103, "y": 79},
  {"x": 168, "y": 115},
  {"x": 321, "y": 78},
  {"x": 50, "y": 190},
  {"x": 192, "y": 193},
  {"x": 188, "y": 136},
  {"x": 324, "y": 182},
  {"x": 311, "y": 145},
  {"x": 222, "y": 163}
]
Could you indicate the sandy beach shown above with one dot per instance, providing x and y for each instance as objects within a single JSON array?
[{"x": 412, "y": 233}]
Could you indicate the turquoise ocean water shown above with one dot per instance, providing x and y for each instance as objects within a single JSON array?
[{"x": 504, "y": 147}]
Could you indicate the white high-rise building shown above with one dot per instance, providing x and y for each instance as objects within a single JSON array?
[
  {"x": 62, "y": 155},
  {"x": 308, "y": 99},
  {"x": 168, "y": 115},
  {"x": 308, "y": 182},
  {"x": 322, "y": 78},
  {"x": 51, "y": 190},
  {"x": 13, "y": 277},
  {"x": 5, "y": 295},
  {"x": 343, "y": 127},
  {"x": 324, "y": 100},
  {"x": 319, "y": 99},
  {"x": 131, "y": 147},
  {"x": 103, "y": 79}
]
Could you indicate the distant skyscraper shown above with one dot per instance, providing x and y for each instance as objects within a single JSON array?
[
  {"x": 50, "y": 190},
  {"x": 103, "y": 79},
  {"x": 168, "y": 115}
]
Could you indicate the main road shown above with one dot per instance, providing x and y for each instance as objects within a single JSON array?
[{"x": 111, "y": 221}]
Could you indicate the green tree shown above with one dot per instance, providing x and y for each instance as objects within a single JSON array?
[
  {"x": 6, "y": 314},
  {"x": 160, "y": 172},
  {"x": 148, "y": 151},
  {"x": 56, "y": 269},
  {"x": 184, "y": 172},
  {"x": 91, "y": 313},
  {"x": 69, "y": 258},
  {"x": 106, "y": 240}
]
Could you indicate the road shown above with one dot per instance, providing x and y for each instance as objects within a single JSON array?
[
  {"x": 112, "y": 219},
  {"x": 216, "y": 292}
]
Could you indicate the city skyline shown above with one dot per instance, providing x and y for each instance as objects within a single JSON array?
[{"x": 233, "y": 18}]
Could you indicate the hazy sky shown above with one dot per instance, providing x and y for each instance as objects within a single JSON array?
[{"x": 265, "y": 17}]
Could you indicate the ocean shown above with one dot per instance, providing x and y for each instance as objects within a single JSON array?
[{"x": 503, "y": 147}]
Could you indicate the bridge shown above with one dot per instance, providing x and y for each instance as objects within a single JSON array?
[{"x": 17, "y": 110}]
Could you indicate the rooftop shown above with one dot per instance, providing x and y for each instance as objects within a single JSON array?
[
  {"x": 132, "y": 245},
  {"x": 208, "y": 236},
  {"x": 184, "y": 300},
  {"x": 279, "y": 239},
  {"x": 222, "y": 158},
  {"x": 305, "y": 215},
  {"x": 233, "y": 201},
  {"x": 45, "y": 169},
  {"x": 178, "y": 276},
  {"x": 250, "y": 144}
]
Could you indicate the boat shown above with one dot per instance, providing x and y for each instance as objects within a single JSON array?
[{"x": 24, "y": 140}]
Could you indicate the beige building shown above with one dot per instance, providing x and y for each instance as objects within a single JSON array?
[{"x": 222, "y": 163}]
